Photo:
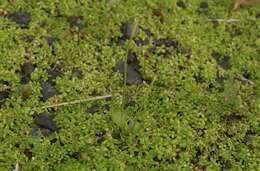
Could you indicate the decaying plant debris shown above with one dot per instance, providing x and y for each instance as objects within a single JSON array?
[{"x": 239, "y": 3}]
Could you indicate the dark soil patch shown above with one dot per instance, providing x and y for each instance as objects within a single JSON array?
[
  {"x": 38, "y": 131},
  {"x": 133, "y": 74},
  {"x": 97, "y": 108},
  {"x": 169, "y": 45},
  {"x": 21, "y": 18},
  {"x": 167, "y": 42},
  {"x": 47, "y": 91},
  {"x": 26, "y": 70},
  {"x": 222, "y": 61},
  {"x": 203, "y": 7},
  {"x": 75, "y": 155},
  {"x": 53, "y": 73},
  {"x": 93, "y": 109},
  {"x": 4, "y": 95},
  {"x": 51, "y": 41},
  {"x": 127, "y": 29},
  {"x": 132, "y": 60},
  {"x": 45, "y": 124},
  {"x": 45, "y": 121},
  {"x": 141, "y": 42},
  {"x": 233, "y": 118}
]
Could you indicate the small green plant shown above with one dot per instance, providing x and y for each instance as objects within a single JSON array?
[
  {"x": 128, "y": 48},
  {"x": 119, "y": 115}
]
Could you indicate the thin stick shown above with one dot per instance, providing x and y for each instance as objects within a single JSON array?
[
  {"x": 224, "y": 20},
  {"x": 245, "y": 80},
  {"x": 76, "y": 101},
  {"x": 16, "y": 167}
]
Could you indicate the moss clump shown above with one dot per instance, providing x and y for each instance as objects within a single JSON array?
[{"x": 195, "y": 107}]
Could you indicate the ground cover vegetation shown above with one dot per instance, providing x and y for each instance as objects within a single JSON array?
[{"x": 183, "y": 76}]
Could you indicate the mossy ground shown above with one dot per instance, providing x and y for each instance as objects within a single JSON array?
[{"x": 197, "y": 109}]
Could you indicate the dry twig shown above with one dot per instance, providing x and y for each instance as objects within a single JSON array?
[{"x": 76, "y": 101}]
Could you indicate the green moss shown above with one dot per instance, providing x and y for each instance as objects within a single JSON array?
[{"x": 189, "y": 114}]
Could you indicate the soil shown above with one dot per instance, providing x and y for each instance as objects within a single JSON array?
[
  {"x": 203, "y": 7},
  {"x": 22, "y": 18},
  {"x": 222, "y": 61},
  {"x": 133, "y": 74},
  {"x": 3, "y": 96},
  {"x": 45, "y": 124},
  {"x": 26, "y": 70},
  {"x": 53, "y": 73},
  {"x": 48, "y": 91}
]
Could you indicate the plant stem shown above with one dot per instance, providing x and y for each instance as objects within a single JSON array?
[{"x": 133, "y": 32}]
